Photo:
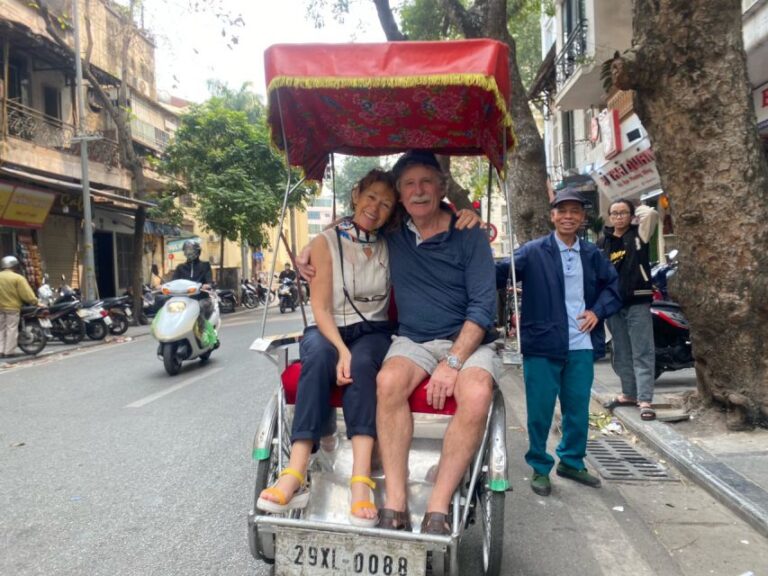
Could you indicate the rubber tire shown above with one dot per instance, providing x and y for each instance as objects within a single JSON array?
[
  {"x": 170, "y": 361},
  {"x": 205, "y": 356},
  {"x": 96, "y": 330},
  {"x": 143, "y": 319},
  {"x": 250, "y": 301},
  {"x": 38, "y": 342},
  {"x": 490, "y": 514},
  {"x": 266, "y": 475},
  {"x": 657, "y": 372},
  {"x": 119, "y": 325},
  {"x": 282, "y": 309},
  {"x": 75, "y": 330}
]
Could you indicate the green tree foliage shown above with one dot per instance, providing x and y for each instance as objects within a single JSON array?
[{"x": 226, "y": 163}]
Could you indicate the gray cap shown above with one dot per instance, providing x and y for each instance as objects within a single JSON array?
[{"x": 568, "y": 194}]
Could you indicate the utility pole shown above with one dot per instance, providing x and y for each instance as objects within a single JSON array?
[{"x": 90, "y": 292}]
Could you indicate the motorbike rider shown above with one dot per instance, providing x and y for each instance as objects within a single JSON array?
[
  {"x": 289, "y": 273},
  {"x": 196, "y": 270},
  {"x": 14, "y": 292}
]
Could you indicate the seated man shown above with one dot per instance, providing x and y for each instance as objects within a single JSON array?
[
  {"x": 446, "y": 299},
  {"x": 443, "y": 277}
]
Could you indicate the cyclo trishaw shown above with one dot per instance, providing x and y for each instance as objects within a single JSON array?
[{"x": 371, "y": 100}]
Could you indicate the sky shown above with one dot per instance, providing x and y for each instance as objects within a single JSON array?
[{"x": 191, "y": 48}]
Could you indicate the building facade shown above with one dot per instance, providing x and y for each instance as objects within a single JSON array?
[
  {"x": 41, "y": 202},
  {"x": 597, "y": 139}
]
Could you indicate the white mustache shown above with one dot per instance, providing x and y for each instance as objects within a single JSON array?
[{"x": 420, "y": 198}]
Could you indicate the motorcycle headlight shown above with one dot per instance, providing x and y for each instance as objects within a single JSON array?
[{"x": 177, "y": 306}]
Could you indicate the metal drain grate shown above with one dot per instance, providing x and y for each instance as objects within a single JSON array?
[{"x": 616, "y": 459}]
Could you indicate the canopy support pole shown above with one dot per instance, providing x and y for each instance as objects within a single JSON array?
[{"x": 279, "y": 231}]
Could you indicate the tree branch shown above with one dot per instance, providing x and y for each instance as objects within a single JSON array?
[{"x": 387, "y": 21}]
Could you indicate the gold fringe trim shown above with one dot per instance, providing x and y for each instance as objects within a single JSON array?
[{"x": 487, "y": 83}]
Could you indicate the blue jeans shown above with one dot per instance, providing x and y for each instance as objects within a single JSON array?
[
  {"x": 634, "y": 354},
  {"x": 545, "y": 380},
  {"x": 318, "y": 376}
]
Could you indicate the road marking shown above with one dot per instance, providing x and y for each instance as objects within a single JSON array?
[{"x": 157, "y": 395}]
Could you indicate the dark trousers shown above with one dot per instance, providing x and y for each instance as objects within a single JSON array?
[{"x": 318, "y": 376}]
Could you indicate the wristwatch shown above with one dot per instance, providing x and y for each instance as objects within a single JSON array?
[{"x": 453, "y": 361}]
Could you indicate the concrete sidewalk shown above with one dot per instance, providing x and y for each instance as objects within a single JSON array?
[{"x": 732, "y": 466}]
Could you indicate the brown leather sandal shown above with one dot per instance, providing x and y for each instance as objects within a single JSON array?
[
  {"x": 436, "y": 523},
  {"x": 394, "y": 519}
]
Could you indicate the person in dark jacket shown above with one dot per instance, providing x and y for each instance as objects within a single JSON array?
[
  {"x": 634, "y": 356},
  {"x": 569, "y": 288},
  {"x": 196, "y": 270}
]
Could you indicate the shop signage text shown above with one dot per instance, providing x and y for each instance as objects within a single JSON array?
[{"x": 23, "y": 207}]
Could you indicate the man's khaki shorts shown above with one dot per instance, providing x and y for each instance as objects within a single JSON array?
[{"x": 427, "y": 355}]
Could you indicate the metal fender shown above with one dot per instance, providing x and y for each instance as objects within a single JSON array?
[
  {"x": 169, "y": 326},
  {"x": 498, "y": 462},
  {"x": 262, "y": 441}
]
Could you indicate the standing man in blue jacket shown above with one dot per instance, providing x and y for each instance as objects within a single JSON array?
[{"x": 569, "y": 288}]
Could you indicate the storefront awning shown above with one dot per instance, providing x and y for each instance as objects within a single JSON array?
[
  {"x": 59, "y": 184},
  {"x": 23, "y": 206}
]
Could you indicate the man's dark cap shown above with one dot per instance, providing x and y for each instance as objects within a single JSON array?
[
  {"x": 569, "y": 194},
  {"x": 412, "y": 157}
]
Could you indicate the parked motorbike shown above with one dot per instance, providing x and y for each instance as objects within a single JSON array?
[
  {"x": 227, "y": 299},
  {"x": 671, "y": 331},
  {"x": 151, "y": 302},
  {"x": 120, "y": 313},
  {"x": 96, "y": 318},
  {"x": 66, "y": 324},
  {"x": 262, "y": 292},
  {"x": 248, "y": 294},
  {"x": 180, "y": 327},
  {"x": 33, "y": 324}
]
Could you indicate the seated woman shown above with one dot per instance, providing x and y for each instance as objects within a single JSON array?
[{"x": 346, "y": 346}]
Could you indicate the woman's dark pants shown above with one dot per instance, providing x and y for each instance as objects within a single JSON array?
[{"x": 368, "y": 346}]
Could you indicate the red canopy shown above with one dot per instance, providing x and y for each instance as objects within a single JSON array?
[{"x": 377, "y": 99}]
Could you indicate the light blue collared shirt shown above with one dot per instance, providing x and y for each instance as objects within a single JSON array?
[{"x": 574, "y": 294}]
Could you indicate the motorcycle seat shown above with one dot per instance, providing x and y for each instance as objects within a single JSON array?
[
  {"x": 64, "y": 307},
  {"x": 92, "y": 303},
  {"x": 417, "y": 401},
  {"x": 28, "y": 309}
]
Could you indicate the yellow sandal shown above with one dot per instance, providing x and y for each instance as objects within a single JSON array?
[
  {"x": 363, "y": 504},
  {"x": 299, "y": 499}
]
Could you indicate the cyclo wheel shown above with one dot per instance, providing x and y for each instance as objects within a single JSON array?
[
  {"x": 267, "y": 473},
  {"x": 490, "y": 509}
]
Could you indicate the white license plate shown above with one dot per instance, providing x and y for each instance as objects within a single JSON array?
[
  {"x": 107, "y": 320},
  {"x": 45, "y": 323},
  {"x": 319, "y": 553},
  {"x": 128, "y": 312}
]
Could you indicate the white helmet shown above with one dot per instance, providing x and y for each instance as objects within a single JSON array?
[{"x": 9, "y": 262}]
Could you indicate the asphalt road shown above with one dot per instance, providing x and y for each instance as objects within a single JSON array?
[{"x": 110, "y": 467}]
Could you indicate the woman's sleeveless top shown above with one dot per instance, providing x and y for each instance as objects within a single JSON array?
[{"x": 366, "y": 277}]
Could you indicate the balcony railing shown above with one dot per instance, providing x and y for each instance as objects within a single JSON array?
[
  {"x": 572, "y": 55},
  {"x": 34, "y": 126}
]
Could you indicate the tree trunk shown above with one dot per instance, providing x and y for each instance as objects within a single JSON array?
[
  {"x": 527, "y": 175},
  {"x": 221, "y": 259},
  {"x": 693, "y": 97}
]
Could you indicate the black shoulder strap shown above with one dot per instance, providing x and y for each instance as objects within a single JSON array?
[{"x": 344, "y": 284}]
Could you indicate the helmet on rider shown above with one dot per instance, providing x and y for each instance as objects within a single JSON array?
[
  {"x": 191, "y": 250},
  {"x": 9, "y": 263}
]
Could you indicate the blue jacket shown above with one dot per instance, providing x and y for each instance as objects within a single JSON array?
[{"x": 543, "y": 320}]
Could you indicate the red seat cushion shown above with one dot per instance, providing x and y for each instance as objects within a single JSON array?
[{"x": 418, "y": 400}]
